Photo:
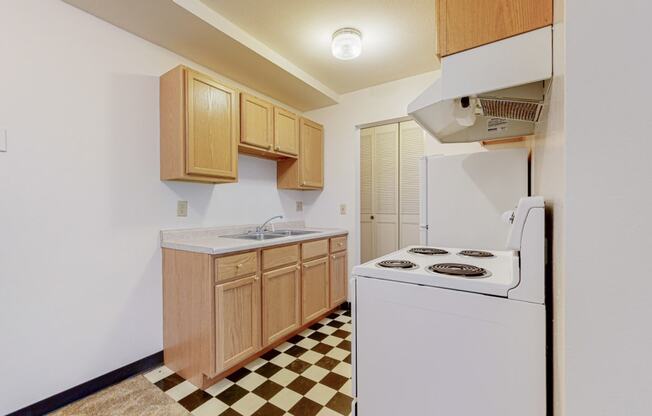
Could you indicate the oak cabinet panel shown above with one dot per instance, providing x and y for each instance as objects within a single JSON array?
[
  {"x": 286, "y": 132},
  {"x": 280, "y": 301},
  {"x": 236, "y": 265},
  {"x": 256, "y": 122},
  {"x": 307, "y": 172},
  {"x": 199, "y": 128},
  {"x": 466, "y": 24},
  {"x": 339, "y": 277},
  {"x": 313, "y": 249},
  {"x": 314, "y": 289},
  {"x": 237, "y": 321}
]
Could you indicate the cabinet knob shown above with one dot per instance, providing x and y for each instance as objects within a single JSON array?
[
  {"x": 239, "y": 265},
  {"x": 333, "y": 257},
  {"x": 340, "y": 244},
  {"x": 276, "y": 148},
  {"x": 269, "y": 146},
  {"x": 298, "y": 267},
  {"x": 303, "y": 183}
]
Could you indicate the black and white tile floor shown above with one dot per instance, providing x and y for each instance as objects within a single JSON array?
[{"x": 310, "y": 375}]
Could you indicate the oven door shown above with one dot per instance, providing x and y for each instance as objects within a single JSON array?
[{"x": 421, "y": 350}]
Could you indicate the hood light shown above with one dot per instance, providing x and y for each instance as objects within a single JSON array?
[{"x": 346, "y": 44}]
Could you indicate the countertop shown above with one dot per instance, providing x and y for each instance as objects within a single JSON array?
[{"x": 211, "y": 240}]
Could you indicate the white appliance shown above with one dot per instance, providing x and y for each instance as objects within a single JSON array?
[
  {"x": 463, "y": 196},
  {"x": 492, "y": 91},
  {"x": 446, "y": 332}
]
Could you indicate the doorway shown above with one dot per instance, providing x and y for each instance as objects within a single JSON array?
[{"x": 389, "y": 187}]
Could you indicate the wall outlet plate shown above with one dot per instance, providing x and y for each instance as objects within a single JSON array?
[
  {"x": 342, "y": 209},
  {"x": 299, "y": 205},
  {"x": 3, "y": 140},
  {"x": 182, "y": 208}
]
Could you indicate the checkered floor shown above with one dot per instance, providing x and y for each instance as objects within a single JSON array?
[{"x": 308, "y": 375}]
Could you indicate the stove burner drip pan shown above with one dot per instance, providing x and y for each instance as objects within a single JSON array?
[
  {"x": 429, "y": 251},
  {"x": 397, "y": 264},
  {"x": 475, "y": 253},
  {"x": 459, "y": 270}
]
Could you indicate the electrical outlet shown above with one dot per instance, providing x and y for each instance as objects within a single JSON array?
[
  {"x": 182, "y": 208},
  {"x": 342, "y": 209},
  {"x": 299, "y": 205},
  {"x": 3, "y": 140}
]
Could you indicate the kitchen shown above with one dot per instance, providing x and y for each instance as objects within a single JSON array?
[{"x": 81, "y": 262}]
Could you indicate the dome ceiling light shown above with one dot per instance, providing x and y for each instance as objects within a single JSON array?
[{"x": 346, "y": 44}]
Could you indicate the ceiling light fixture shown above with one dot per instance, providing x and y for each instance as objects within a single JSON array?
[{"x": 346, "y": 44}]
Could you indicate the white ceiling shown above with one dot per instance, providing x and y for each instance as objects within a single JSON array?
[{"x": 398, "y": 36}]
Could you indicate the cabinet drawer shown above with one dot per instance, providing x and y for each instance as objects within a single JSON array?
[
  {"x": 338, "y": 244},
  {"x": 314, "y": 249},
  {"x": 236, "y": 265},
  {"x": 280, "y": 256}
]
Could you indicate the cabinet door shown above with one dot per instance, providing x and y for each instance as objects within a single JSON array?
[
  {"x": 314, "y": 289},
  {"x": 286, "y": 132},
  {"x": 256, "y": 122},
  {"x": 311, "y": 159},
  {"x": 237, "y": 320},
  {"x": 465, "y": 24},
  {"x": 339, "y": 278},
  {"x": 211, "y": 136},
  {"x": 281, "y": 290}
]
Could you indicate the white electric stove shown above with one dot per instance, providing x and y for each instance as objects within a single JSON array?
[{"x": 454, "y": 331}]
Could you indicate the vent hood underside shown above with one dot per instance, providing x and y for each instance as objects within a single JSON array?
[{"x": 490, "y": 92}]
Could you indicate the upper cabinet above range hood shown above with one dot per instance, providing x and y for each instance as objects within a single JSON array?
[{"x": 489, "y": 92}]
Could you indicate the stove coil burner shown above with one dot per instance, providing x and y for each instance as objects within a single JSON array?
[
  {"x": 475, "y": 253},
  {"x": 458, "y": 269},
  {"x": 397, "y": 264},
  {"x": 427, "y": 250}
]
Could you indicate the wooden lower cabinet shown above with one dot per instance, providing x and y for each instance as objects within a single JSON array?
[
  {"x": 281, "y": 308},
  {"x": 338, "y": 278},
  {"x": 237, "y": 321},
  {"x": 314, "y": 289}
]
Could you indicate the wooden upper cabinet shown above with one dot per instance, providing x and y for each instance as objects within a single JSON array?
[
  {"x": 465, "y": 24},
  {"x": 237, "y": 321},
  {"x": 256, "y": 122},
  {"x": 307, "y": 172},
  {"x": 286, "y": 132},
  {"x": 199, "y": 128}
]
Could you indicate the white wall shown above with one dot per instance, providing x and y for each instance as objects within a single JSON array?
[
  {"x": 81, "y": 204},
  {"x": 342, "y": 150},
  {"x": 549, "y": 181},
  {"x": 608, "y": 224}
]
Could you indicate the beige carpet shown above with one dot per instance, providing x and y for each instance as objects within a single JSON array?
[{"x": 134, "y": 396}]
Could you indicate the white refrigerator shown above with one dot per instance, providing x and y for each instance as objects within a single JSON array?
[{"x": 462, "y": 197}]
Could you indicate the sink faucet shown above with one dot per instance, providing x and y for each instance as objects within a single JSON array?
[{"x": 261, "y": 228}]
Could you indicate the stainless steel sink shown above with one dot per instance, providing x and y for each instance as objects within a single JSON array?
[
  {"x": 255, "y": 236},
  {"x": 267, "y": 235},
  {"x": 294, "y": 232}
]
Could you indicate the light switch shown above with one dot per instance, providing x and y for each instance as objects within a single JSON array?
[
  {"x": 3, "y": 140},
  {"x": 299, "y": 205},
  {"x": 342, "y": 209},
  {"x": 182, "y": 208}
]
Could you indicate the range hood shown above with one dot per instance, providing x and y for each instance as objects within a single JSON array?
[{"x": 489, "y": 92}]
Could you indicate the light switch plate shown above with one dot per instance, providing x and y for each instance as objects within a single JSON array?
[
  {"x": 342, "y": 209},
  {"x": 3, "y": 140},
  {"x": 182, "y": 208},
  {"x": 299, "y": 205}
]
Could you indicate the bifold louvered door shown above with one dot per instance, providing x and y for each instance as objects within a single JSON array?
[
  {"x": 411, "y": 150},
  {"x": 389, "y": 188}
]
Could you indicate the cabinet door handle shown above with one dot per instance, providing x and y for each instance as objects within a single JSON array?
[
  {"x": 372, "y": 217},
  {"x": 239, "y": 265},
  {"x": 277, "y": 148},
  {"x": 333, "y": 257},
  {"x": 269, "y": 146}
]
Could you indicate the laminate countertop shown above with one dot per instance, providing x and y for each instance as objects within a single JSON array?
[{"x": 213, "y": 240}]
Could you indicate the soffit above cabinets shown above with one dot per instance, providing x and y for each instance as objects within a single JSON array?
[{"x": 196, "y": 32}]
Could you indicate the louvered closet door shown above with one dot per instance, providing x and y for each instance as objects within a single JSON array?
[
  {"x": 385, "y": 189},
  {"x": 366, "y": 203},
  {"x": 411, "y": 150}
]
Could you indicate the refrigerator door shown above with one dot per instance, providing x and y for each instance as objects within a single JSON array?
[{"x": 466, "y": 195}]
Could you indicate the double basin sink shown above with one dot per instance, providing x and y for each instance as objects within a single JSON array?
[{"x": 268, "y": 235}]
